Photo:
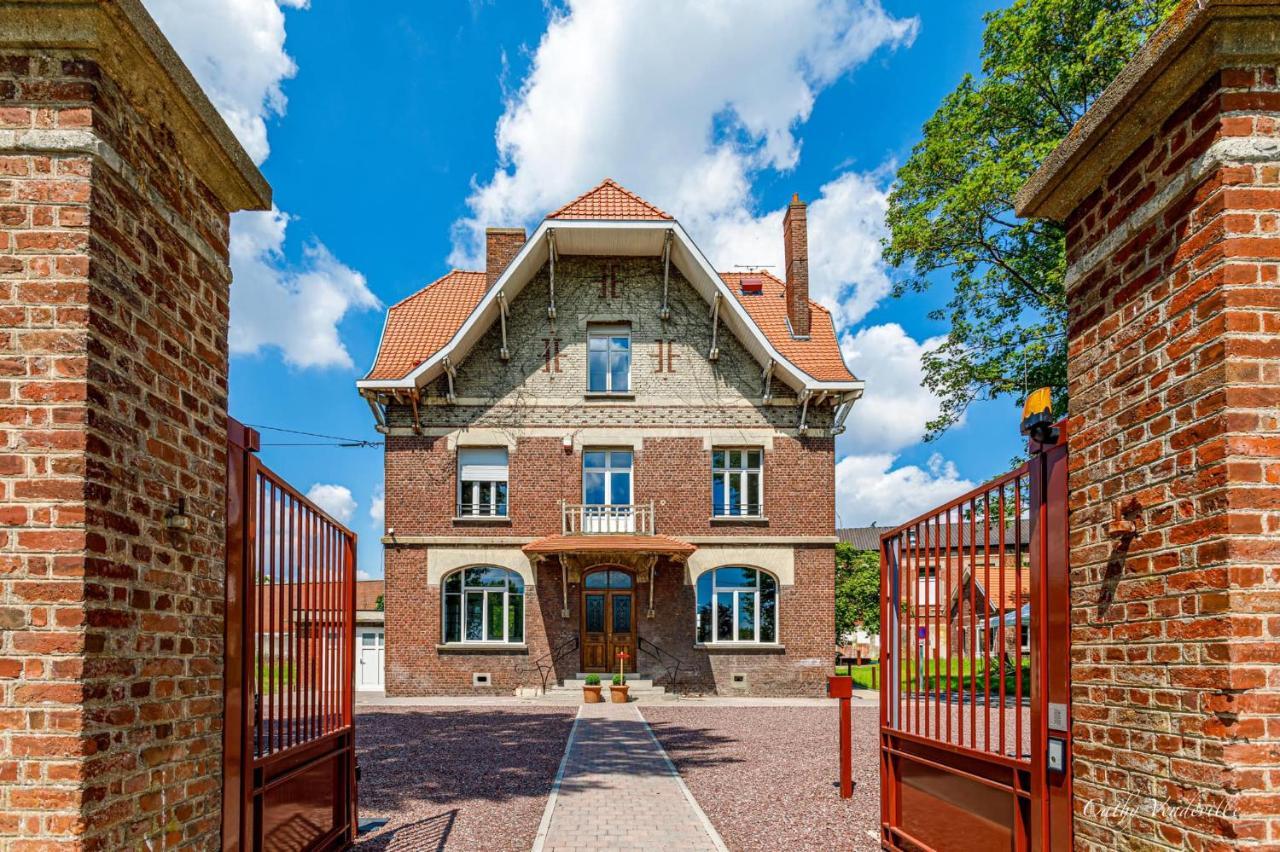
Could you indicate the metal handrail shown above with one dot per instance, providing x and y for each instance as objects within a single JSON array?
[
  {"x": 546, "y": 664},
  {"x": 601, "y": 519},
  {"x": 658, "y": 653}
]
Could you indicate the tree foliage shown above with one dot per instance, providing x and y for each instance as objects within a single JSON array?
[
  {"x": 857, "y": 589},
  {"x": 951, "y": 211}
]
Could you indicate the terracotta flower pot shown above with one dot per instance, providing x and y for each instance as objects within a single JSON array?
[
  {"x": 618, "y": 694},
  {"x": 591, "y": 694}
]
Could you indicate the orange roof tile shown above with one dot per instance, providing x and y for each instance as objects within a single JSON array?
[
  {"x": 819, "y": 356},
  {"x": 420, "y": 325},
  {"x": 610, "y": 544},
  {"x": 608, "y": 201}
]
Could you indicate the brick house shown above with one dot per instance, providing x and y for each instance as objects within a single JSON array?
[{"x": 600, "y": 446}]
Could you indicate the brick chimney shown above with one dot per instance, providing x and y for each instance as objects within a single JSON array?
[
  {"x": 795, "y": 240},
  {"x": 501, "y": 245}
]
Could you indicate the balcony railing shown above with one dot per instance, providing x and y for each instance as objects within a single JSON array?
[{"x": 589, "y": 519}]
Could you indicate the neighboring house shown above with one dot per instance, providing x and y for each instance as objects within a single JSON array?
[
  {"x": 599, "y": 446},
  {"x": 293, "y": 618}
]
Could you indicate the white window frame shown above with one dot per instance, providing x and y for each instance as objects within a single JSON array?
[
  {"x": 737, "y": 591},
  {"x": 601, "y": 520},
  {"x": 475, "y": 487},
  {"x": 483, "y": 591},
  {"x": 607, "y": 333},
  {"x": 744, "y": 470}
]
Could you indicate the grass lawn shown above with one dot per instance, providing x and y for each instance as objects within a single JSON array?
[
  {"x": 275, "y": 677},
  {"x": 955, "y": 678}
]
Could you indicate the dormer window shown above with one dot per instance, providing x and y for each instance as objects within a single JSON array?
[
  {"x": 609, "y": 359},
  {"x": 752, "y": 286}
]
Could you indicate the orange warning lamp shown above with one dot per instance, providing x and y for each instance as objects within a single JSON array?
[{"x": 1037, "y": 417}]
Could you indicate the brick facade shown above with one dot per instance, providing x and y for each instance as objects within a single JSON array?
[
  {"x": 683, "y": 404},
  {"x": 1174, "y": 252},
  {"x": 113, "y": 391}
]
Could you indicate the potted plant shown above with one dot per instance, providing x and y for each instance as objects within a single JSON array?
[
  {"x": 591, "y": 689},
  {"x": 618, "y": 691}
]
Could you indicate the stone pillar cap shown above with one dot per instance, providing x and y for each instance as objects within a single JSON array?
[
  {"x": 1200, "y": 38},
  {"x": 122, "y": 37}
]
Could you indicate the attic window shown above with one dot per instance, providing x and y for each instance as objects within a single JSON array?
[{"x": 752, "y": 286}]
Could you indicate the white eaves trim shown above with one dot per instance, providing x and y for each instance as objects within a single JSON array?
[{"x": 687, "y": 257}]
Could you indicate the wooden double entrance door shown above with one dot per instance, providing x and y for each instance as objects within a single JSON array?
[{"x": 608, "y": 620}]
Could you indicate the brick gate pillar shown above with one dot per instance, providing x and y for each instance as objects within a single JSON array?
[
  {"x": 1170, "y": 192},
  {"x": 116, "y": 180}
]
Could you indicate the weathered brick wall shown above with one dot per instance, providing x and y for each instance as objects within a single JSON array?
[
  {"x": 113, "y": 387},
  {"x": 1175, "y": 426}
]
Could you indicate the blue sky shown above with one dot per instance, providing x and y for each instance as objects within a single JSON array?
[{"x": 393, "y": 132}]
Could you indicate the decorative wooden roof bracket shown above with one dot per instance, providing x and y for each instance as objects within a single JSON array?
[
  {"x": 766, "y": 379},
  {"x": 504, "y": 353},
  {"x": 846, "y": 406},
  {"x": 714, "y": 354},
  {"x": 551, "y": 271},
  {"x": 665, "y": 313},
  {"x": 450, "y": 373},
  {"x": 805, "y": 397},
  {"x": 379, "y": 411},
  {"x": 417, "y": 420}
]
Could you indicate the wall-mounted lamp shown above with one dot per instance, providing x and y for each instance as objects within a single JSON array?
[
  {"x": 567, "y": 443},
  {"x": 178, "y": 519}
]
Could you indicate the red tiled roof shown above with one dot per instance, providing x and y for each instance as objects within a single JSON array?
[
  {"x": 608, "y": 201},
  {"x": 819, "y": 356},
  {"x": 420, "y": 325},
  {"x": 610, "y": 544}
]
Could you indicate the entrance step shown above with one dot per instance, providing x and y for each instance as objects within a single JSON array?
[
  {"x": 633, "y": 682},
  {"x": 570, "y": 691}
]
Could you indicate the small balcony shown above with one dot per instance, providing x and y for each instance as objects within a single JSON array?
[{"x": 594, "y": 519}]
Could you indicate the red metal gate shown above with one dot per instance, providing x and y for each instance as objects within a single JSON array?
[
  {"x": 289, "y": 737},
  {"x": 974, "y": 694}
]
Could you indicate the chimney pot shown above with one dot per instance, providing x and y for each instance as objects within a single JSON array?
[
  {"x": 501, "y": 245},
  {"x": 795, "y": 241}
]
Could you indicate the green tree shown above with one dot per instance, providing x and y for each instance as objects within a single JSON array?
[
  {"x": 951, "y": 210},
  {"x": 857, "y": 589},
  {"x": 378, "y": 605}
]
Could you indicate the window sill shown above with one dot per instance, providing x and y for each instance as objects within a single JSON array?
[
  {"x": 608, "y": 395},
  {"x": 481, "y": 648},
  {"x": 499, "y": 520},
  {"x": 740, "y": 647},
  {"x": 739, "y": 519}
]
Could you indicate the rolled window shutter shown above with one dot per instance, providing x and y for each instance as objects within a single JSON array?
[{"x": 482, "y": 464}]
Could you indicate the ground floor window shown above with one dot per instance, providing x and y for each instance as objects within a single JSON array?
[
  {"x": 484, "y": 605},
  {"x": 737, "y": 605}
]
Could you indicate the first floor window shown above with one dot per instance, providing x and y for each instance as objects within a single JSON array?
[
  {"x": 737, "y": 605},
  {"x": 484, "y": 605},
  {"x": 482, "y": 482},
  {"x": 736, "y": 483}
]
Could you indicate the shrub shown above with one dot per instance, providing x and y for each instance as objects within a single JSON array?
[
  {"x": 619, "y": 680},
  {"x": 592, "y": 680}
]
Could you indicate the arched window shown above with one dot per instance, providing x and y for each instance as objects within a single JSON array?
[
  {"x": 737, "y": 605},
  {"x": 484, "y": 605}
]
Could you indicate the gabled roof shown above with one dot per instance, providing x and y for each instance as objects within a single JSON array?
[
  {"x": 819, "y": 355},
  {"x": 608, "y": 200},
  {"x": 429, "y": 329},
  {"x": 420, "y": 325}
]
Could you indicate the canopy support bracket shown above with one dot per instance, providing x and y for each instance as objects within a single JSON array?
[
  {"x": 504, "y": 353},
  {"x": 766, "y": 380}
]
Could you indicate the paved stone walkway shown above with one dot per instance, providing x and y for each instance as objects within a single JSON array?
[{"x": 618, "y": 790}]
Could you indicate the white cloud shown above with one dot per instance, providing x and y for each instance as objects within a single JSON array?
[
  {"x": 378, "y": 508},
  {"x": 314, "y": 295},
  {"x": 890, "y": 417},
  {"x": 607, "y": 96},
  {"x": 870, "y": 490},
  {"x": 235, "y": 49},
  {"x": 362, "y": 574},
  {"x": 334, "y": 499}
]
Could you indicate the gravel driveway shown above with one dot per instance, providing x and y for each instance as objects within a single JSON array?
[
  {"x": 457, "y": 778},
  {"x": 766, "y": 776}
]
